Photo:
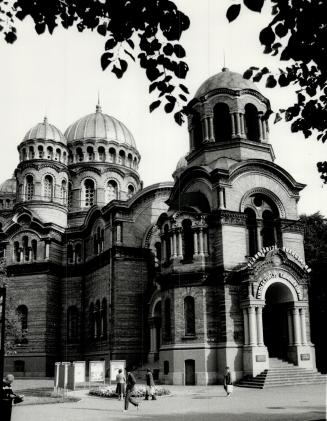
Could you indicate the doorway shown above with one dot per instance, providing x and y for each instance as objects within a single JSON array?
[{"x": 189, "y": 372}]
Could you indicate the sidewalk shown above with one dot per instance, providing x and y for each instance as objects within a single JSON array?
[{"x": 190, "y": 403}]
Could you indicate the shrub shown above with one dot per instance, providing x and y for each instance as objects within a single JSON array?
[{"x": 138, "y": 392}]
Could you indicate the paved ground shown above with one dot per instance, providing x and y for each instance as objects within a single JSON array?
[{"x": 187, "y": 404}]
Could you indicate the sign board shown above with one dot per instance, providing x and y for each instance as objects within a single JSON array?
[
  {"x": 56, "y": 376},
  {"x": 63, "y": 375},
  {"x": 115, "y": 365},
  {"x": 97, "y": 371},
  {"x": 79, "y": 371}
]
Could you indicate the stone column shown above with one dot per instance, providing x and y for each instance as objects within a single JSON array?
[
  {"x": 303, "y": 327},
  {"x": 233, "y": 124},
  {"x": 211, "y": 130},
  {"x": 259, "y": 326},
  {"x": 205, "y": 242},
  {"x": 290, "y": 327},
  {"x": 195, "y": 237},
  {"x": 191, "y": 132},
  {"x": 246, "y": 326},
  {"x": 206, "y": 130},
  {"x": 163, "y": 249},
  {"x": 252, "y": 326},
  {"x": 260, "y": 126},
  {"x": 201, "y": 242},
  {"x": 174, "y": 244},
  {"x": 118, "y": 233},
  {"x": 180, "y": 245},
  {"x": 238, "y": 124},
  {"x": 296, "y": 324},
  {"x": 171, "y": 246},
  {"x": 221, "y": 198},
  {"x": 242, "y": 128},
  {"x": 21, "y": 253},
  {"x": 152, "y": 337}
]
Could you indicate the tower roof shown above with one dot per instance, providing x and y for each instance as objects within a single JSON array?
[
  {"x": 8, "y": 186},
  {"x": 225, "y": 79},
  {"x": 45, "y": 131}
]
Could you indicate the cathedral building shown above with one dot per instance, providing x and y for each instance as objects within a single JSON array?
[{"x": 188, "y": 276}]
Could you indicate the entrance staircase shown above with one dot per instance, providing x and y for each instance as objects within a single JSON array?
[{"x": 282, "y": 373}]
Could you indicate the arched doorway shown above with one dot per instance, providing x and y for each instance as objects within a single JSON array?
[
  {"x": 276, "y": 329},
  {"x": 155, "y": 331},
  {"x": 189, "y": 372}
]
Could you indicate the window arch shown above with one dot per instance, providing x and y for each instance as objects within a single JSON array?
[
  {"x": 90, "y": 153},
  {"x": 197, "y": 130},
  {"x": 41, "y": 152},
  {"x": 63, "y": 192},
  {"x": 102, "y": 153},
  {"x": 111, "y": 191},
  {"x": 31, "y": 154},
  {"x": 130, "y": 191},
  {"x": 167, "y": 318},
  {"x": 34, "y": 249},
  {"x": 7, "y": 203},
  {"x": 251, "y": 122},
  {"x": 24, "y": 154},
  {"x": 135, "y": 163},
  {"x": 49, "y": 152},
  {"x": 268, "y": 230},
  {"x": 70, "y": 157},
  {"x": 58, "y": 155},
  {"x": 130, "y": 160},
  {"x": 251, "y": 225},
  {"x": 48, "y": 187},
  {"x": 78, "y": 252},
  {"x": 112, "y": 155},
  {"x": 189, "y": 315},
  {"x": 72, "y": 324},
  {"x": 79, "y": 154},
  {"x": 89, "y": 193},
  {"x": 26, "y": 253},
  {"x": 22, "y": 313},
  {"x": 64, "y": 157},
  {"x": 121, "y": 159},
  {"x": 188, "y": 243},
  {"x": 29, "y": 187},
  {"x": 222, "y": 122},
  {"x": 16, "y": 251}
]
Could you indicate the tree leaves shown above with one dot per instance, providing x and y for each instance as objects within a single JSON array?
[
  {"x": 233, "y": 11},
  {"x": 254, "y": 5},
  {"x": 154, "y": 105}
]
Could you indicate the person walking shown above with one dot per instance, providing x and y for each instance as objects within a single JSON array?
[
  {"x": 228, "y": 384},
  {"x": 8, "y": 397},
  {"x": 120, "y": 380},
  {"x": 130, "y": 386},
  {"x": 150, "y": 389}
]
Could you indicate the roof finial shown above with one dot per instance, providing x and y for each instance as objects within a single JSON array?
[
  {"x": 98, "y": 107},
  {"x": 224, "y": 69},
  {"x": 45, "y": 120}
]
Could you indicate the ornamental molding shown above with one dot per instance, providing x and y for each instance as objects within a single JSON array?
[
  {"x": 232, "y": 218},
  {"x": 264, "y": 192},
  {"x": 277, "y": 275}
]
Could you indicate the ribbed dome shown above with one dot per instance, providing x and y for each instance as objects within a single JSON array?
[
  {"x": 225, "y": 79},
  {"x": 100, "y": 126},
  {"x": 8, "y": 186},
  {"x": 45, "y": 131}
]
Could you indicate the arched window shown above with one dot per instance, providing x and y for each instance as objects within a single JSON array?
[
  {"x": 31, "y": 154},
  {"x": 48, "y": 187},
  {"x": 101, "y": 240},
  {"x": 29, "y": 187},
  {"x": 92, "y": 331},
  {"x": 72, "y": 324},
  {"x": 58, "y": 155},
  {"x": 188, "y": 243},
  {"x": 34, "y": 249},
  {"x": 268, "y": 230},
  {"x": 167, "y": 318},
  {"x": 104, "y": 324},
  {"x": 135, "y": 163},
  {"x": 102, "y": 153},
  {"x": 16, "y": 251},
  {"x": 22, "y": 313},
  {"x": 111, "y": 191},
  {"x": 89, "y": 193},
  {"x": 90, "y": 153},
  {"x": 70, "y": 253},
  {"x": 112, "y": 155},
  {"x": 78, "y": 252},
  {"x": 64, "y": 157},
  {"x": 70, "y": 157},
  {"x": 197, "y": 130},
  {"x": 24, "y": 154},
  {"x": 97, "y": 319},
  {"x": 130, "y": 191},
  {"x": 63, "y": 192},
  {"x": 251, "y": 122},
  {"x": 121, "y": 158},
  {"x": 158, "y": 251},
  {"x": 79, "y": 154},
  {"x": 130, "y": 160},
  {"x": 222, "y": 122},
  {"x": 7, "y": 203},
  {"x": 189, "y": 316},
  {"x": 49, "y": 152},
  {"x": 41, "y": 152},
  {"x": 251, "y": 225},
  {"x": 26, "y": 253},
  {"x": 167, "y": 241}
]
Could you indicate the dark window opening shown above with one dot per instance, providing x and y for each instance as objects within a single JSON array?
[{"x": 222, "y": 122}]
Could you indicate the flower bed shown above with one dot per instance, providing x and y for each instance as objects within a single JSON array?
[{"x": 138, "y": 392}]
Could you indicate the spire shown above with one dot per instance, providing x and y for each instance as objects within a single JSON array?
[
  {"x": 45, "y": 120},
  {"x": 98, "y": 108}
]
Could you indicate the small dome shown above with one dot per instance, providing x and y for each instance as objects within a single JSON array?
[
  {"x": 225, "y": 79},
  {"x": 182, "y": 163},
  {"x": 8, "y": 186},
  {"x": 100, "y": 126},
  {"x": 45, "y": 131}
]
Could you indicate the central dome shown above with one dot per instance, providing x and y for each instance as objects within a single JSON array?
[
  {"x": 100, "y": 126},
  {"x": 225, "y": 79}
]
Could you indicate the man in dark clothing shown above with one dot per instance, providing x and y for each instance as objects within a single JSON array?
[
  {"x": 7, "y": 398},
  {"x": 228, "y": 384},
  {"x": 130, "y": 386},
  {"x": 150, "y": 390}
]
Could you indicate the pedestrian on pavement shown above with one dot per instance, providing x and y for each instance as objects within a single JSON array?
[
  {"x": 8, "y": 397},
  {"x": 120, "y": 389},
  {"x": 130, "y": 386},
  {"x": 228, "y": 384},
  {"x": 150, "y": 386}
]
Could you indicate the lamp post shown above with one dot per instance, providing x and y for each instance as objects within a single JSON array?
[{"x": 2, "y": 332}]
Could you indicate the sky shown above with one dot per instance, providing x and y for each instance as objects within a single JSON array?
[{"x": 60, "y": 75}]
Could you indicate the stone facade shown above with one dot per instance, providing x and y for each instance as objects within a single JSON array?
[{"x": 189, "y": 276}]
